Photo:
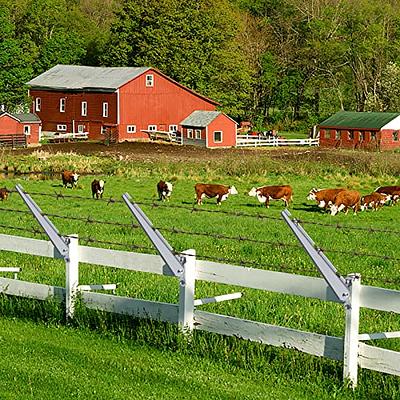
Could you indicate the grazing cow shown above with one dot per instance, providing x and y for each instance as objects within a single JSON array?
[
  {"x": 266, "y": 193},
  {"x": 324, "y": 197},
  {"x": 392, "y": 191},
  {"x": 346, "y": 199},
  {"x": 69, "y": 178},
  {"x": 4, "y": 193},
  {"x": 164, "y": 190},
  {"x": 98, "y": 188},
  {"x": 373, "y": 200},
  {"x": 221, "y": 192}
]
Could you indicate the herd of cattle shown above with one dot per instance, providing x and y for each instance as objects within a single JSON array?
[{"x": 333, "y": 200}]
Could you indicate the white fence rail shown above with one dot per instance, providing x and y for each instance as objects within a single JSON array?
[
  {"x": 257, "y": 141},
  {"x": 61, "y": 136},
  {"x": 186, "y": 314}
]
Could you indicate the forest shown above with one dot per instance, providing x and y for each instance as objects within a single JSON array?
[{"x": 278, "y": 63}]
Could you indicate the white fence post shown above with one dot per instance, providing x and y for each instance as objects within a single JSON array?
[
  {"x": 350, "y": 353},
  {"x": 72, "y": 276},
  {"x": 186, "y": 292}
]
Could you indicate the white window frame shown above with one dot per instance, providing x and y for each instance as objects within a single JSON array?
[
  {"x": 62, "y": 104},
  {"x": 152, "y": 128},
  {"x": 131, "y": 129},
  {"x": 197, "y": 133},
  {"x": 105, "y": 109},
  {"x": 84, "y": 108},
  {"x": 173, "y": 128},
  {"x": 149, "y": 80},
  {"x": 81, "y": 128},
  {"x": 61, "y": 127},
  {"x": 189, "y": 133},
  {"x": 218, "y": 141},
  {"x": 38, "y": 104},
  {"x": 27, "y": 130}
]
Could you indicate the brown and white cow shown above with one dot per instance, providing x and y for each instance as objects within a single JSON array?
[
  {"x": 98, "y": 188},
  {"x": 374, "y": 200},
  {"x": 346, "y": 199},
  {"x": 393, "y": 193},
  {"x": 324, "y": 197},
  {"x": 164, "y": 190},
  {"x": 266, "y": 193},
  {"x": 4, "y": 193},
  {"x": 69, "y": 178},
  {"x": 209, "y": 190}
]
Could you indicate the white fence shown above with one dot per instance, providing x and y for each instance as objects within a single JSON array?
[
  {"x": 60, "y": 136},
  {"x": 256, "y": 141},
  {"x": 349, "y": 348}
]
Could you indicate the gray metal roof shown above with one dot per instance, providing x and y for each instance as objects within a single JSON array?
[
  {"x": 23, "y": 117},
  {"x": 200, "y": 119},
  {"x": 76, "y": 77}
]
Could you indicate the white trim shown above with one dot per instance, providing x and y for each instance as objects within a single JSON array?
[
  {"x": 173, "y": 126},
  {"x": 152, "y": 128},
  {"x": 189, "y": 130},
  {"x": 28, "y": 133},
  {"x": 62, "y": 127},
  {"x": 196, "y": 131},
  {"x": 393, "y": 124},
  {"x": 73, "y": 126},
  {"x": 118, "y": 117},
  {"x": 63, "y": 102},
  {"x": 81, "y": 128},
  {"x": 132, "y": 130},
  {"x": 207, "y": 136},
  {"x": 149, "y": 82},
  {"x": 105, "y": 109},
  {"x": 84, "y": 108},
  {"x": 38, "y": 104},
  {"x": 222, "y": 137}
]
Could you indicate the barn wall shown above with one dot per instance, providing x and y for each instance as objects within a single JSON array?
[
  {"x": 194, "y": 142},
  {"x": 8, "y": 125},
  {"x": 228, "y": 128},
  {"x": 388, "y": 141},
  {"x": 164, "y": 104},
  {"x": 362, "y": 139},
  {"x": 51, "y": 116}
]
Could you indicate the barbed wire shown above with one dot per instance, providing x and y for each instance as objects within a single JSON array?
[{"x": 35, "y": 231}]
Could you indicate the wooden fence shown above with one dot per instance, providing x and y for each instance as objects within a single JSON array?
[
  {"x": 350, "y": 348},
  {"x": 257, "y": 141},
  {"x": 13, "y": 140}
]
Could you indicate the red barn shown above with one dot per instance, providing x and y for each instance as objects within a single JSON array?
[
  {"x": 113, "y": 103},
  {"x": 209, "y": 129},
  {"x": 21, "y": 129},
  {"x": 361, "y": 130}
]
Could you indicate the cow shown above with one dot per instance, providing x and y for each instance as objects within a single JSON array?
[
  {"x": 164, "y": 190},
  {"x": 266, "y": 193},
  {"x": 324, "y": 197},
  {"x": 221, "y": 192},
  {"x": 393, "y": 192},
  {"x": 4, "y": 193},
  {"x": 346, "y": 199},
  {"x": 98, "y": 188},
  {"x": 373, "y": 200},
  {"x": 69, "y": 178}
]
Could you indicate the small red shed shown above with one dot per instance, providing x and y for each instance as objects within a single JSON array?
[
  {"x": 209, "y": 129},
  {"x": 21, "y": 129},
  {"x": 361, "y": 130}
]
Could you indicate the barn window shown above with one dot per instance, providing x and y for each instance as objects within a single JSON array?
[
  {"x": 152, "y": 128},
  {"x": 190, "y": 133},
  {"x": 131, "y": 129},
  {"x": 217, "y": 136},
  {"x": 84, "y": 108},
  {"x": 105, "y": 109},
  {"x": 27, "y": 130},
  {"x": 373, "y": 135},
  {"x": 350, "y": 135},
  {"x": 173, "y": 128},
  {"x": 337, "y": 135},
  {"x": 81, "y": 128},
  {"x": 38, "y": 103},
  {"x": 62, "y": 104},
  {"x": 396, "y": 136},
  {"x": 61, "y": 127},
  {"x": 197, "y": 133},
  {"x": 149, "y": 80}
]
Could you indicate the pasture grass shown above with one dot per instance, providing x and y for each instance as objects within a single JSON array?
[{"x": 282, "y": 254}]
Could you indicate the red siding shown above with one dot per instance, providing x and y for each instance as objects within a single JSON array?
[
  {"x": 228, "y": 128},
  {"x": 72, "y": 117},
  {"x": 387, "y": 140},
  {"x": 362, "y": 139},
  {"x": 164, "y": 104},
  {"x": 10, "y": 126}
]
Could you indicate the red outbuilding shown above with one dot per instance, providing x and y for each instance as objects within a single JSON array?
[
  {"x": 361, "y": 130},
  {"x": 117, "y": 104},
  {"x": 21, "y": 129}
]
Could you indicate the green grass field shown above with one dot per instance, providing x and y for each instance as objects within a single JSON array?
[{"x": 351, "y": 250}]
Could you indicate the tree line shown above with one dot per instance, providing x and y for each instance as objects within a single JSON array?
[{"x": 278, "y": 63}]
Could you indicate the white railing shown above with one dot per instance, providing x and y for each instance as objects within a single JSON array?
[
  {"x": 187, "y": 313},
  {"x": 256, "y": 141},
  {"x": 54, "y": 136}
]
